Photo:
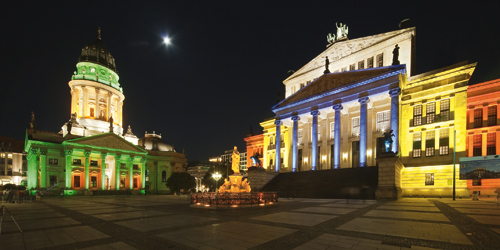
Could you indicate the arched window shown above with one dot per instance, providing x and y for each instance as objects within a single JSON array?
[{"x": 164, "y": 176}]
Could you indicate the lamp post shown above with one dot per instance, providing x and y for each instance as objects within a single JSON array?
[{"x": 216, "y": 177}]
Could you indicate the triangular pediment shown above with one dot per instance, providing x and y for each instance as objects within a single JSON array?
[
  {"x": 329, "y": 82},
  {"x": 344, "y": 49},
  {"x": 108, "y": 140}
]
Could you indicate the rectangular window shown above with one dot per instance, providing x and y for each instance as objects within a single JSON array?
[
  {"x": 147, "y": 175},
  {"x": 417, "y": 144},
  {"x": 332, "y": 130},
  {"x": 94, "y": 163},
  {"x": 53, "y": 180},
  {"x": 380, "y": 60},
  {"x": 478, "y": 141},
  {"x": 417, "y": 115},
  {"x": 478, "y": 118},
  {"x": 431, "y": 112},
  {"x": 135, "y": 182},
  {"x": 76, "y": 181},
  {"x": 91, "y": 112},
  {"x": 429, "y": 143},
  {"x": 123, "y": 166},
  {"x": 361, "y": 64},
  {"x": 444, "y": 111},
  {"x": 491, "y": 146},
  {"x": 369, "y": 62},
  {"x": 429, "y": 179},
  {"x": 77, "y": 162},
  {"x": 355, "y": 126},
  {"x": 53, "y": 161},
  {"x": 122, "y": 181},
  {"x": 299, "y": 136},
  {"x": 444, "y": 141},
  {"x": 93, "y": 181},
  {"x": 492, "y": 115},
  {"x": 301, "y": 85},
  {"x": 352, "y": 67},
  {"x": 2, "y": 169},
  {"x": 384, "y": 121},
  {"x": 135, "y": 167},
  {"x": 476, "y": 182},
  {"x": 107, "y": 166},
  {"x": 9, "y": 170}
]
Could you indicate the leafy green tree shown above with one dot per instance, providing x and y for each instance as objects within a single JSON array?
[{"x": 178, "y": 181}]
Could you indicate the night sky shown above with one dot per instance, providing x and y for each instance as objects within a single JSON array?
[{"x": 226, "y": 64}]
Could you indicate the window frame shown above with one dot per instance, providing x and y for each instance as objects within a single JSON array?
[
  {"x": 429, "y": 179},
  {"x": 417, "y": 115},
  {"x": 430, "y": 113}
]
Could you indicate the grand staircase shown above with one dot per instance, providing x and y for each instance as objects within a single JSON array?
[{"x": 352, "y": 183}]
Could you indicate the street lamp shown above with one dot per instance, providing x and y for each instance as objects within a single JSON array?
[{"x": 216, "y": 177}]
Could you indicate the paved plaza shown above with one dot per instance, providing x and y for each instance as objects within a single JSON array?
[{"x": 168, "y": 222}]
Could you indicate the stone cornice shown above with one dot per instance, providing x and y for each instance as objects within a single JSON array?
[{"x": 276, "y": 108}]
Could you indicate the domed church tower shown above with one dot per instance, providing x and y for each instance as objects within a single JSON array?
[{"x": 96, "y": 95}]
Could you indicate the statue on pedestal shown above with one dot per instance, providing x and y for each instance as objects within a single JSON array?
[
  {"x": 388, "y": 140},
  {"x": 235, "y": 166}
]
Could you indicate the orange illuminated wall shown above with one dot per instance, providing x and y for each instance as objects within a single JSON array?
[
  {"x": 255, "y": 144},
  {"x": 483, "y": 128}
]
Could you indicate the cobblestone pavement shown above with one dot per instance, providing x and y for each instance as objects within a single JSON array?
[{"x": 168, "y": 222}]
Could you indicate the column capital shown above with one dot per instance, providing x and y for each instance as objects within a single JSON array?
[
  {"x": 277, "y": 122},
  {"x": 87, "y": 154},
  {"x": 97, "y": 90},
  {"x": 143, "y": 160},
  {"x": 296, "y": 118},
  {"x": 395, "y": 92},
  {"x": 130, "y": 159},
  {"x": 337, "y": 107},
  {"x": 103, "y": 155},
  {"x": 117, "y": 156},
  {"x": 68, "y": 152},
  {"x": 33, "y": 151},
  {"x": 364, "y": 100},
  {"x": 43, "y": 152},
  {"x": 315, "y": 112}
]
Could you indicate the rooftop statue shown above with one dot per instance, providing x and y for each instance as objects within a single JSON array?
[
  {"x": 111, "y": 124},
  {"x": 342, "y": 31},
  {"x": 327, "y": 64},
  {"x": 395, "y": 55}
]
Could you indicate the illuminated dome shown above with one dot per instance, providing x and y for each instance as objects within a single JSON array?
[
  {"x": 153, "y": 142},
  {"x": 96, "y": 52}
]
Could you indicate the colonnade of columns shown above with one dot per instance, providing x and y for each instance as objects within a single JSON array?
[
  {"x": 37, "y": 169},
  {"x": 337, "y": 107},
  {"x": 80, "y": 98}
]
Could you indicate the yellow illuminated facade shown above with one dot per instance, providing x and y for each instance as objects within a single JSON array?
[
  {"x": 433, "y": 107},
  {"x": 269, "y": 152}
]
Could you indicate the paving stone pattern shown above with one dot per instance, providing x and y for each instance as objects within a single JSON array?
[{"x": 168, "y": 222}]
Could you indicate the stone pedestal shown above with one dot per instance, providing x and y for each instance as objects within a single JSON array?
[
  {"x": 259, "y": 177},
  {"x": 235, "y": 182},
  {"x": 389, "y": 177}
]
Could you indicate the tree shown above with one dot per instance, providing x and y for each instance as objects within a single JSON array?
[{"x": 182, "y": 180}]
